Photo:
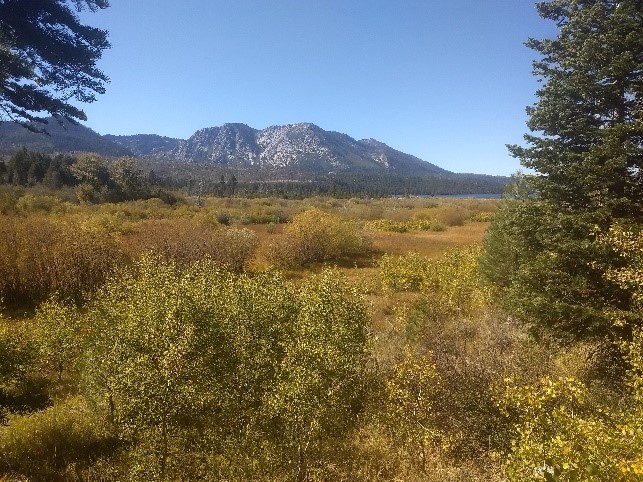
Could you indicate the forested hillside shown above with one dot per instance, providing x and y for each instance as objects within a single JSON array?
[{"x": 105, "y": 179}]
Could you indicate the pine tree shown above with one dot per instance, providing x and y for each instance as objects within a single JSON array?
[
  {"x": 47, "y": 58},
  {"x": 586, "y": 149},
  {"x": 590, "y": 109}
]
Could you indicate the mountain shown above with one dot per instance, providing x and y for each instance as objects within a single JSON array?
[
  {"x": 145, "y": 144},
  {"x": 302, "y": 152},
  {"x": 303, "y": 147},
  {"x": 61, "y": 137}
]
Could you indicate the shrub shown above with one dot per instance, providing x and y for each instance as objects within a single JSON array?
[
  {"x": 196, "y": 365},
  {"x": 19, "y": 391},
  {"x": 403, "y": 273},
  {"x": 9, "y": 196},
  {"x": 411, "y": 391},
  {"x": 562, "y": 435},
  {"x": 405, "y": 226},
  {"x": 316, "y": 236},
  {"x": 224, "y": 218},
  {"x": 452, "y": 287},
  {"x": 40, "y": 256},
  {"x": 449, "y": 285},
  {"x": 387, "y": 225},
  {"x": 450, "y": 215},
  {"x": 186, "y": 240},
  {"x": 58, "y": 335},
  {"x": 30, "y": 203}
]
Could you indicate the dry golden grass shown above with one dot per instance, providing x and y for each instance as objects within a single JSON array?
[{"x": 429, "y": 243}]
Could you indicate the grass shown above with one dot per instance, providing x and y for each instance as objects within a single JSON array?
[
  {"x": 429, "y": 243},
  {"x": 370, "y": 456}
]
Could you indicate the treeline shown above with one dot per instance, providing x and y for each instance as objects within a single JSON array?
[
  {"x": 341, "y": 186},
  {"x": 94, "y": 179},
  {"x": 102, "y": 181}
]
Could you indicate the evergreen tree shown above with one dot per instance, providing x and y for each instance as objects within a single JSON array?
[
  {"x": 590, "y": 109},
  {"x": 47, "y": 57},
  {"x": 544, "y": 250}
]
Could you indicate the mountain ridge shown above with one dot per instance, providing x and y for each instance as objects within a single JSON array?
[
  {"x": 299, "y": 151},
  {"x": 303, "y": 146}
]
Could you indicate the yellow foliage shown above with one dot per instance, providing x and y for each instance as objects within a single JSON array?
[
  {"x": 450, "y": 284},
  {"x": 40, "y": 255},
  {"x": 316, "y": 236}
]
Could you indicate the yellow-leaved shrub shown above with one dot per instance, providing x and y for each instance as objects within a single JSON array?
[{"x": 317, "y": 236}]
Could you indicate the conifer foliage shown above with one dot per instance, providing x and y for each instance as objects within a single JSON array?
[
  {"x": 47, "y": 58},
  {"x": 590, "y": 108},
  {"x": 586, "y": 149}
]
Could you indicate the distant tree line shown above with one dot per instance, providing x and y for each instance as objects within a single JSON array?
[
  {"x": 94, "y": 179},
  {"x": 97, "y": 180},
  {"x": 341, "y": 186}
]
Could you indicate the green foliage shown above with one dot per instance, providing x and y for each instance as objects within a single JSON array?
[
  {"x": 405, "y": 226},
  {"x": 322, "y": 378},
  {"x": 54, "y": 444},
  {"x": 8, "y": 199},
  {"x": 452, "y": 283},
  {"x": 411, "y": 392},
  {"x": 17, "y": 362},
  {"x": 192, "y": 365},
  {"x": 32, "y": 203},
  {"x": 42, "y": 69},
  {"x": 29, "y": 168},
  {"x": 58, "y": 334},
  {"x": 159, "y": 360},
  {"x": 449, "y": 285},
  {"x": 562, "y": 435},
  {"x": 403, "y": 273},
  {"x": 549, "y": 267},
  {"x": 588, "y": 108},
  {"x": 561, "y": 431},
  {"x": 543, "y": 249}
]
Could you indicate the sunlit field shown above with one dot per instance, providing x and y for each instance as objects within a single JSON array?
[
  {"x": 271, "y": 339},
  {"x": 61, "y": 260}
]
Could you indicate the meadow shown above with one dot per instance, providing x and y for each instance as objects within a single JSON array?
[{"x": 271, "y": 339}]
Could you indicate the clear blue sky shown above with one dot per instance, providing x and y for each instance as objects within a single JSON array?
[{"x": 447, "y": 81}]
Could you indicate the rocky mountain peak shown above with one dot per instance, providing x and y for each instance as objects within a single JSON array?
[{"x": 303, "y": 147}]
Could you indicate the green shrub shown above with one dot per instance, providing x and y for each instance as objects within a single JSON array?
[
  {"x": 43, "y": 445},
  {"x": 58, "y": 334},
  {"x": 449, "y": 284},
  {"x": 197, "y": 366},
  {"x": 452, "y": 286},
  {"x": 31, "y": 203},
  {"x": 403, "y": 273},
  {"x": 410, "y": 392},
  {"x": 224, "y": 218},
  {"x": 19, "y": 391},
  {"x": 405, "y": 226},
  {"x": 387, "y": 225},
  {"x": 563, "y": 434}
]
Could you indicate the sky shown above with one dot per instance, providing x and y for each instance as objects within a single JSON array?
[{"x": 445, "y": 81}]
